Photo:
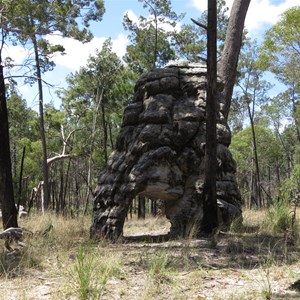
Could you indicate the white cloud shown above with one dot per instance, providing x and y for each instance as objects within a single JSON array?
[
  {"x": 260, "y": 13},
  {"x": 132, "y": 16},
  {"x": 167, "y": 27},
  {"x": 17, "y": 53},
  {"x": 77, "y": 53},
  {"x": 23, "y": 89},
  {"x": 264, "y": 12},
  {"x": 119, "y": 45}
]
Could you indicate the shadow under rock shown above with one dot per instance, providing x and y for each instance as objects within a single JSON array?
[{"x": 147, "y": 238}]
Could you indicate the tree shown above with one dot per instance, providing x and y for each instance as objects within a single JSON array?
[
  {"x": 190, "y": 40},
  {"x": 31, "y": 21},
  {"x": 22, "y": 122},
  {"x": 9, "y": 212},
  {"x": 151, "y": 45},
  {"x": 231, "y": 51},
  {"x": 280, "y": 53},
  {"x": 270, "y": 154},
  {"x": 230, "y": 55},
  {"x": 210, "y": 210},
  {"x": 252, "y": 94},
  {"x": 93, "y": 104}
]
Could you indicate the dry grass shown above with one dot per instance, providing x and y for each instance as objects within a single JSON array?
[{"x": 248, "y": 263}]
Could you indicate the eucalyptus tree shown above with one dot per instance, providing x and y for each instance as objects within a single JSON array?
[
  {"x": 231, "y": 51},
  {"x": 230, "y": 54},
  {"x": 210, "y": 209},
  {"x": 151, "y": 36},
  {"x": 7, "y": 202},
  {"x": 93, "y": 103},
  {"x": 252, "y": 93},
  {"x": 278, "y": 113},
  {"x": 270, "y": 155},
  {"x": 30, "y": 21},
  {"x": 190, "y": 40},
  {"x": 280, "y": 53},
  {"x": 23, "y": 124}
]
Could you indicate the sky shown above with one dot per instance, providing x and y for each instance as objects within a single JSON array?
[{"x": 262, "y": 14}]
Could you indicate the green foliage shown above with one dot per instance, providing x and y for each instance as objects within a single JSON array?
[
  {"x": 280, "y": 53},
  {"x": 29, "y": 21},
  {"x": 150, "y": 42},
  {"x": 84, "y": 269},
  {"x": 290, "y": 187},
  {"x": 268, "y": 149},
  {"x": 279, "y": 218},
  {"x": 269, "y": 153},
  {"x": 94, "y": 102},
  {"x": 281, "y": 50},
  {"x": 92, "y": 270}
]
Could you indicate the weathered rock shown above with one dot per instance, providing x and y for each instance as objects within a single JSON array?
[{"x": 160, "y": 154}]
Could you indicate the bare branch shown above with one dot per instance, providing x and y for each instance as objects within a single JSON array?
[
  {"x": 199, "y": 24},
  {"x": 29, "y": 77},
  {"x": 63, "y": 155},
  {"x": 58, "y": 157},
  {"x": 11, "y": 232}
]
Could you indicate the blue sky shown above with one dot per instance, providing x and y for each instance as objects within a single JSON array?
[{"x": 261, "y": 15}]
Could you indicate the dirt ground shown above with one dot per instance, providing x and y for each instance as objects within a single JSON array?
[{"x": 230, "y": 266}]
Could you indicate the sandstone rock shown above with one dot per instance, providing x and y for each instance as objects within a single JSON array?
[{"x": 160, "y": 154}]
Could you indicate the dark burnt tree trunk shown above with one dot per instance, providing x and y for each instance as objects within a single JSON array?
[
  {"x": 210, "y": 210},
  {"x": 9, "y": 211},
  {"x": 141, "y": 207},
  {"x": 231, "y": 51}
]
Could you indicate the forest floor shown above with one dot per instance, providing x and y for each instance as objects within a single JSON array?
[{"x": 62, "y": 263}]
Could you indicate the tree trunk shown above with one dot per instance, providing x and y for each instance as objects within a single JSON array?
[
  {"x": 45, "y": 193},
  {"x": 294, "y": 103},
  {"x": 110, "y": 136},
  {"x": 153, "y": 208},
  {"x": 9, "y": 211},
  {"x": 231, "y": 51},
  {"x": 258, "y": 183},
  {"x": 210, "y": 210},
  {"x": 67, "y": 184},
  {"x": 141, "y": 207},
  {"x": 19, "y": 202},
  {"x": 105, "y": 136}
]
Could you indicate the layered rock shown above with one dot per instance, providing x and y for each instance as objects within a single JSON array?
[{"x": 160, "y": 154}]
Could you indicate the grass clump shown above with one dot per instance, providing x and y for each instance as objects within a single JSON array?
[
  {"x": 279, "y": 218},
  {"x": 157, "y": 265},
  {"x": 92, "y": 270}
]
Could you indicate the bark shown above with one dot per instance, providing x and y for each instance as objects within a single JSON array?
[
  {"x": 153, "y": 208},
  {"x": 105, "y": 135},
  {"x": 97, "y": 103},
  {"x": 258, "y": 183},
  {"x": 210, "y": 211},
  {"x": 141, "y": 207},
  {"x": 66, "y": 187},
  {"x": 294, "y": 103},
  {"x": 21, "y": 180},
  {"x": 9, "y": 211},
  {"x": 110, "y": 136},
  {"x": 46, "y": 192},
  {"x": 231, "y": 51}
]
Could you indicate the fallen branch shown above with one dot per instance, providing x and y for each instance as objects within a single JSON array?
[{"x": 10, "y": 235}]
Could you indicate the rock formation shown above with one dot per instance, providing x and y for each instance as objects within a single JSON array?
[{"x": 160, "y": 154}]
